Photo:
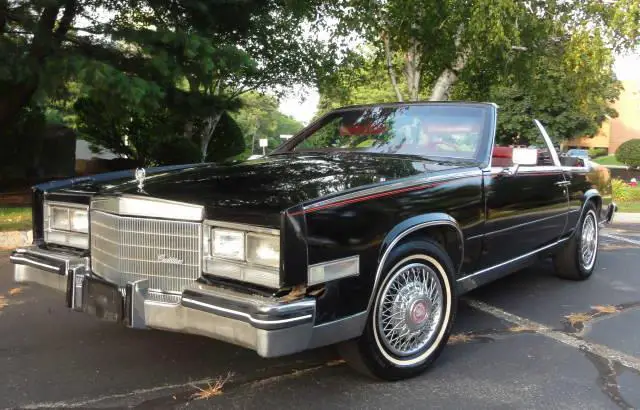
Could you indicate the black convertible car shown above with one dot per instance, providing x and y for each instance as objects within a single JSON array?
[{"x": 363, "y": 230}]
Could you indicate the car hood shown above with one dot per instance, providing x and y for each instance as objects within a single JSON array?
[{"x": 257, "y": 191}]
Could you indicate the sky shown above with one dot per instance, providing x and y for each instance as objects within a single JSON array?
[{"x": 302, "y": 109}]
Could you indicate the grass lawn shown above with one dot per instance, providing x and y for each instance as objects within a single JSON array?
[
  {"x": 608, "y": 160},
  {"x": 15, "y": 218},
  {"x": 628, "y": 206}
]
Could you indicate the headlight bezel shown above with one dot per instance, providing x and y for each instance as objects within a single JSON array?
[
  {"x": 242, "y": 268},
  {"x": 65, "y": 234}
]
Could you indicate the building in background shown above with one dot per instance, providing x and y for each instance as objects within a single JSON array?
[{"x": 615, "y": 131}]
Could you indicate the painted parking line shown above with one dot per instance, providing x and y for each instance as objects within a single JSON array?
[
  {"x": 620, "y": 238},
  {"x": 604, "y": 352}
]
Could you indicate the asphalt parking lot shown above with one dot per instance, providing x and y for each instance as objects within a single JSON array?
[{"x": 527, "y": 341}]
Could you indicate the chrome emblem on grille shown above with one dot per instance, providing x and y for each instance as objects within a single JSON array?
[
  {"x": 162, "y": 258},
  {"x": 141, "y": 175}
]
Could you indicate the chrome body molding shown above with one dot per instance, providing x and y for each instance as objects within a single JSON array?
[
  {"x": 400, "y": 184},
  {"x": 132, "y": 205},
  {"x": 240, "y": 227},
  {"x": 486, "y": 275},
  {"x": 399, "y": 238},
  {"x": 267, "y": 325}
]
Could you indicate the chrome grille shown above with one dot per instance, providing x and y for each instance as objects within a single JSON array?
[{"x": 127, "y": 249}]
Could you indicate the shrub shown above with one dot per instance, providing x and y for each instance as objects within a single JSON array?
[
  {"x": 629, "y": 153},
  {"x": 598, "y": 152},
  {"x": 622, "y": 192}
]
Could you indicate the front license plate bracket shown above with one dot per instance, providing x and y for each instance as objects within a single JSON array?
[{"x": 102, "y": 299}]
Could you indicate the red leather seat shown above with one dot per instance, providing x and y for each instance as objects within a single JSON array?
[{"x": 501, "y": 156}]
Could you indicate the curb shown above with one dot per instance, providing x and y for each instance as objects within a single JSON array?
[
  {"x": 14, "y": 239},
  {"x": 626, "y": 218}
]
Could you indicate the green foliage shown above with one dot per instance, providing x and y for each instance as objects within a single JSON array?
[
  {"x": 151, "y": 71},
  {"x": 259, "y": 118},
  {"x": 629, "y": 153},
  {"x": 623, "y": 192},
  {"x": 598, "y": 152},
  {"x": 228, "y": 140}
]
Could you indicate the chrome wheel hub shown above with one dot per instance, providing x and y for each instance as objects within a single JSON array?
[
  {"x": 588, "y": 241},
  {"x": 410, "y": 309}
]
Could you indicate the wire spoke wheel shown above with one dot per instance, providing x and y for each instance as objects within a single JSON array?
[
  {"x": 588, "y": 241},
  {"x": 410, "y": 309}
]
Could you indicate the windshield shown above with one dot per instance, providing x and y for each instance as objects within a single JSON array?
[{"x": 426, "y": 130}]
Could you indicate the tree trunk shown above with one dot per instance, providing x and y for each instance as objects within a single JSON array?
[
  {"x": 45, "y": 41},
  {"x": 412, "y": 70},
  {"x": 449, "y": 75},
  {"x": 392, "y": 73},
  {"x": 209, "y": 127}
]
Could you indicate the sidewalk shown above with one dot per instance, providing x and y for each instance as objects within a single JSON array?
[{"x": 626, "y": 218}]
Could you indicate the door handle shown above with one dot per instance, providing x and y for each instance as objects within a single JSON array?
[{"x": 563, "y": 183}]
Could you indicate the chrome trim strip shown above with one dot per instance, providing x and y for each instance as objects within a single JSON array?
[
  {"x": 31, "y": 262},
  {"x": 241, "y": 227},
  {"x": 529, "y": 169},
  {"x": 524, "y": 224},
  {"x": 402, "y": 235},
  {"x": 485, "y": 270},
  {"x": 247, "y": 316},
  {"x": 547, "y": 140},
  {"x": 407, "y": 183},
  {"x": 131, "y": 205},
  {"x": 65, "y": 205}
]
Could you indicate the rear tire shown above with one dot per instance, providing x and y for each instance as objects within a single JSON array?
[
  {"x": 577, "y": 259},
  {"x": 412, "y": 314}
]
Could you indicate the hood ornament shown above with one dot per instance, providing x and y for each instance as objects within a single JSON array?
[{"x": 141, "y": 175}]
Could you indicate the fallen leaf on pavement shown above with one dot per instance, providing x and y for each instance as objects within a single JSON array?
[
  {"x": 576, "y": 318},
  {"x": 15, "y": 291},
  {"x": 605, "y": 309},
  {"x": 459, "y": 338},
  {"x": 211, "y": 390}
]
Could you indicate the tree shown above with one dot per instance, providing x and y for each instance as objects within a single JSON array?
[
  {"x": 629, "y": 153},
  {"x": 429, "y": 46},
  {"x": 188, "y": 60},
  {"x": 259, "y": 118},
  {"x": 571, "y": 97}
]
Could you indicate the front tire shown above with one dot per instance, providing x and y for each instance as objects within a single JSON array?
[
  {"x": 411, "y": 318},
  {"x": 577, "y": 259}
]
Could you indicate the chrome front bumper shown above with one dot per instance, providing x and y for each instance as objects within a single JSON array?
[{"x": 266, "y": 325}]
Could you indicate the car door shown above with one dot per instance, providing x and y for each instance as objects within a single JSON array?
[{"x": 526, "y": 205}]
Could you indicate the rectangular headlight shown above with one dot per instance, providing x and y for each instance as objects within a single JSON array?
[
  {"x": 242, "y": 252},
  {"x": 227, "y": 244},
  {"x": 263, "y": 249},
  {"x": 79, "y": 220},
  {"x": 66, "y": 224},
  {"x": 59, "y": 218}
]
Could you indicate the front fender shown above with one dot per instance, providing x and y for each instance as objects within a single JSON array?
[{"x": 415, "y": 225}]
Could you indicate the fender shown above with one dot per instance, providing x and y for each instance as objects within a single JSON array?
[
  {"x": 590, "y": 195},
  {"x": 407, "y": 227}
]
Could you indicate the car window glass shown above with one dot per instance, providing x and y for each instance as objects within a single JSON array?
[{"x": 508, "y": 138}]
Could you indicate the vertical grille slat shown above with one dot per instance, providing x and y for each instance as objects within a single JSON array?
[{"x": 126, "y": 249}]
